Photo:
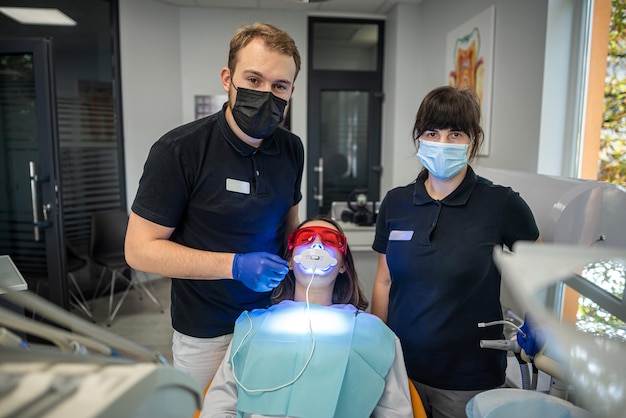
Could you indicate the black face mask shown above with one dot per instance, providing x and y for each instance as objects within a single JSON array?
[{"x": 258, "y": 113}]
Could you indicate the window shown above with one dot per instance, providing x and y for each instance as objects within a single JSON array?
[{"x": 597, "y": 306}]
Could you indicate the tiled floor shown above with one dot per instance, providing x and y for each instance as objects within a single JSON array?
[{"x": 139, "y": 319}]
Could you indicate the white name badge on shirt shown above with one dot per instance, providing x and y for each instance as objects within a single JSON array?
[
  {"x": 237, "y": 186},
  {"x": 396, "y": 235}
]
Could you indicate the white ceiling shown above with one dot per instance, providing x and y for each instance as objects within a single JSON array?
[{"x": 328, "y": 6}]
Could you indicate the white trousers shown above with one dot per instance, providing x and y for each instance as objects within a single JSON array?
[{"x": 199, "y": 357}]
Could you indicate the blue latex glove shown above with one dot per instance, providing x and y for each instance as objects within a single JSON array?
[
  {"x": 261, "y": 271},
  {"x": 534, "y": 340}
]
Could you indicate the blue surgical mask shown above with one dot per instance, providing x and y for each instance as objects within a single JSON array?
[{"x": 443, "y": 161}]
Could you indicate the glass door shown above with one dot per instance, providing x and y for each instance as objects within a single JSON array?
[
  {"x": 347, "y": 167},
  {"x": 344, "y": 112},
  {"x": 30, "y": 215}
]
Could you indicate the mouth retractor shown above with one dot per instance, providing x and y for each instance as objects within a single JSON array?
[{"x": 315, "y": 259}]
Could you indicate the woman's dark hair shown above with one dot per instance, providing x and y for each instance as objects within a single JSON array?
[
  {"x": 451, "y": 108},
  {"x": 346, "y": 290}
]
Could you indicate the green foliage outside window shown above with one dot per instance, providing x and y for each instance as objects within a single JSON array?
[
  {"x": 611, "y": 277},
  {"x": 612, "y": 167}
]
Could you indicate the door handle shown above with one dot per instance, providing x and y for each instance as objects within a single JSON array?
[
  {"x": 34, "y": 197},
  {"x": 318, "y": 192}
]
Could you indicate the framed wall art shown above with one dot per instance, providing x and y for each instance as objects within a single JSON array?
[
  {"x": 469, "y": 63},
  {"x": 205, "y": 105}
]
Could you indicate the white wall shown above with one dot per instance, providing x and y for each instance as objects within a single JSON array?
[
  {"x": 171, "y": 54},
  {"x": 561, "y": 119},
  {"x": 402, "y": 96},
  {"x": 151, "y": 74}
]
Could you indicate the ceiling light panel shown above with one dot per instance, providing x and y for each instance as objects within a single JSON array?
[{"x": 38, "y": 16}]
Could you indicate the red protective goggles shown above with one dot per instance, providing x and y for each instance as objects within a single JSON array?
[{"x": 328, "y": 236}]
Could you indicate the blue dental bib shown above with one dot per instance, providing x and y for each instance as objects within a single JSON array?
[{"x": 344, "y": 378}]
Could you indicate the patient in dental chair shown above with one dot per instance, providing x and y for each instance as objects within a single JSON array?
[{"x": 314, "y": 353}]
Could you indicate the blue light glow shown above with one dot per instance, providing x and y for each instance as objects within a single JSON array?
[
  {"x": 293, "y": 318},
  {"x": 315, "y": 261}
]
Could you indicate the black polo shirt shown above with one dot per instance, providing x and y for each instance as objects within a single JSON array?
[
  {"x": 444, "y": 280},
  {"x": 222, "y": 195}
]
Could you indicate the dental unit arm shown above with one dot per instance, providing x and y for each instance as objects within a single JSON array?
[
  {"x": 73, "y": 334},
  {"x": 531, "y": 346},
  {"x": 85, "y": 371}
]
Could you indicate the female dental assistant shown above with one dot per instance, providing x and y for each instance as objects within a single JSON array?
[
  {"x": 436, "y": 279},
  {"x": 314, "y": 353}
]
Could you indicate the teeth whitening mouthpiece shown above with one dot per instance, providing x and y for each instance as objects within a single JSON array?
[{"x": 315, "y": 259}]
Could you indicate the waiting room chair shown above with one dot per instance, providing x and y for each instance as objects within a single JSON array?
[
  {"x": 108, "y": 231},
  {"x": 74, "y": 263}
]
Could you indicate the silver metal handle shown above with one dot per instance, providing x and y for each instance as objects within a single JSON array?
[
  {"x": 34, "y": 197},
  {"x": 318, "y": 192}
]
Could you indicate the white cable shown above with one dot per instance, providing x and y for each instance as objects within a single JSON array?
[
  {"x": 502, "y": 322},
  {"x": 308, "y": 310}
]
